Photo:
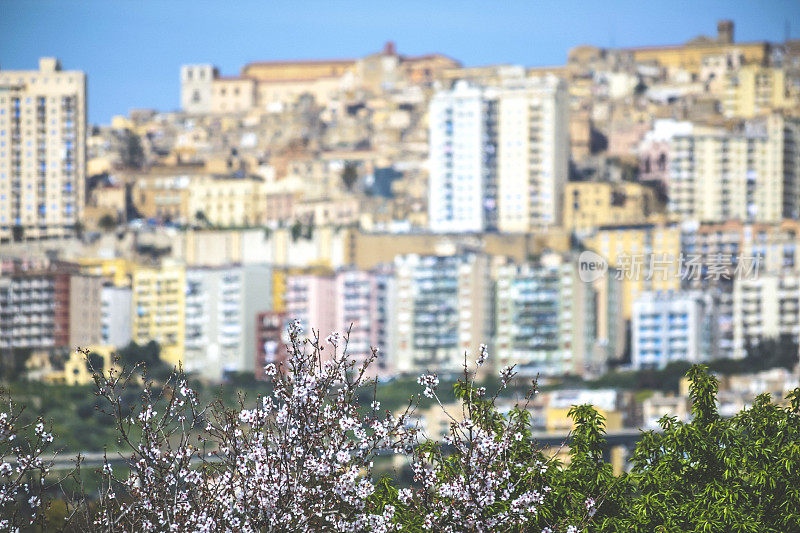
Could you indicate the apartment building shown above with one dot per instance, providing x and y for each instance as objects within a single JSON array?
[
  {"x": 116, "y": 316},
  {"x": 158, "y": 300},
  {"x": 498, "y": 157},
  {"x": 34, "y": 308},
  {"x": 272, "y": 341},
  {"x": 310, "y": 298},
  {"x": 748, "y": 173},
  {"x": 220, "y": 320},
  {"x": 364, "y": 309},
  {"x": 643, "y": 257},
  {"x": 755, "y": 89},
  {"x": 589, "y": 204},
  {"x": 48, "y": 306},
  {"x": 462, "y": 181},
  {"x": 442, "y": 308},
  {"x": 544, "y": 318},
  {"x": 532, "y": 153},
  {"x": 85, "y": 310},
  {"x": 718, "y": 254},
  {"x": 672, "y": 326},
  {"x": 765, "y": 307},
  {"x": 42, "y": 151}
]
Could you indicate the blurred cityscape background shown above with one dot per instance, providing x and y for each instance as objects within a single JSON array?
[{"x": 424, "y": 204}]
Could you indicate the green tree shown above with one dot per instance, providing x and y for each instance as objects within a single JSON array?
[
  {"x": 716, "y": 474},
  {"x": 132, "y": 151},
  {"x": 350, "y": 175},
  {"x": 107, "y": 223}
]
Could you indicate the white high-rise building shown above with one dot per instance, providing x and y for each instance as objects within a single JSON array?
[
  {"x": 532, "y": 153},
  {"x": 499, "y": 157},
  {"x": 42, "y": 151},
  {"x": 221, "y": 308},
  {"x": 765, "y": 307},
  {"x": 462, "y": 161},
  {"x": 115, "y": 321},
  {"x": 442, "y": 308},
  {"x": 672, "y": 326}
]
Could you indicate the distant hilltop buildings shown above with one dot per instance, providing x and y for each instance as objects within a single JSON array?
[
  {"x": 433, "y": 206},
  {"x": 269, "y": 85}
]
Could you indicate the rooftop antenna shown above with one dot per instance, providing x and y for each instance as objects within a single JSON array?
[{"x": 787, "y": 31}]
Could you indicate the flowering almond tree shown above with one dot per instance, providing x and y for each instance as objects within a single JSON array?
[{"x": 300, "y": 460}]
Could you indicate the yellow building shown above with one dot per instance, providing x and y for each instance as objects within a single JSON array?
[
  {"x": 159, "y": 308},
  {"x": 557, "y": 421},
  {"x": 78, "y": 371},
  {"x": 755, "y": 89},
  {"x": 647, "y": 257},
  {"x": 116, "y": 269},
  {"x": 589, "y": 204},
  {"x": 279, "y": 276},
  {"x": 689, "y": 56}
]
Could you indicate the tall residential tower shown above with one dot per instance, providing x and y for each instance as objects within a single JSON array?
[
  {"x": 499, "y": 156},
  {"x": 42, "y": 151}
]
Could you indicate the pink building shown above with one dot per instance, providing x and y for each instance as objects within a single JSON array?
[
  {"x": 654, "y": 150},
  {"x": 351, "y": 300},
  {"x": 362, "y": 308},
  {"x": 311, "y": 299}
]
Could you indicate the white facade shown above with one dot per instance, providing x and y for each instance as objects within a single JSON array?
[
  {"x": 115, "y": 321},
  {"x": 533, "y": 153},
  {"x": 499, "y": 157},
  {"x": 544, "y": 318},
  {"x": 197, "y": 88},
  {"x": 442, "y": 308},
  {"x": 672, "y": 326},
  {"x": 462, "y": 160},
  {"x": 221, "y": 308},
  {"x": 42, "y": 151}
]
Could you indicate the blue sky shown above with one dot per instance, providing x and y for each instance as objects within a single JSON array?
[{"x": 132, "y": 50}]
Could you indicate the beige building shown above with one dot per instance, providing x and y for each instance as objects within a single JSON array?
[
  {"x": 647, "y": 256},
  {"x": 532, "y": 154},
  {"x": 750, "y": 173},
  {"x": 689, "y": 57},
  {"x": 42, "y": 151},
  {"x": 85, "y": 310},
  {"x": 202, "y": 198},
  {"x": 589, "y": 204},
  {"x": 754, "y": 89},
  {"x": 233, "y": 95},
  {"x": 339, "y": 212}
]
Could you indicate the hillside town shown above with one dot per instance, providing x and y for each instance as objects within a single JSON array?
[{"x": 629, "y": 211}]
